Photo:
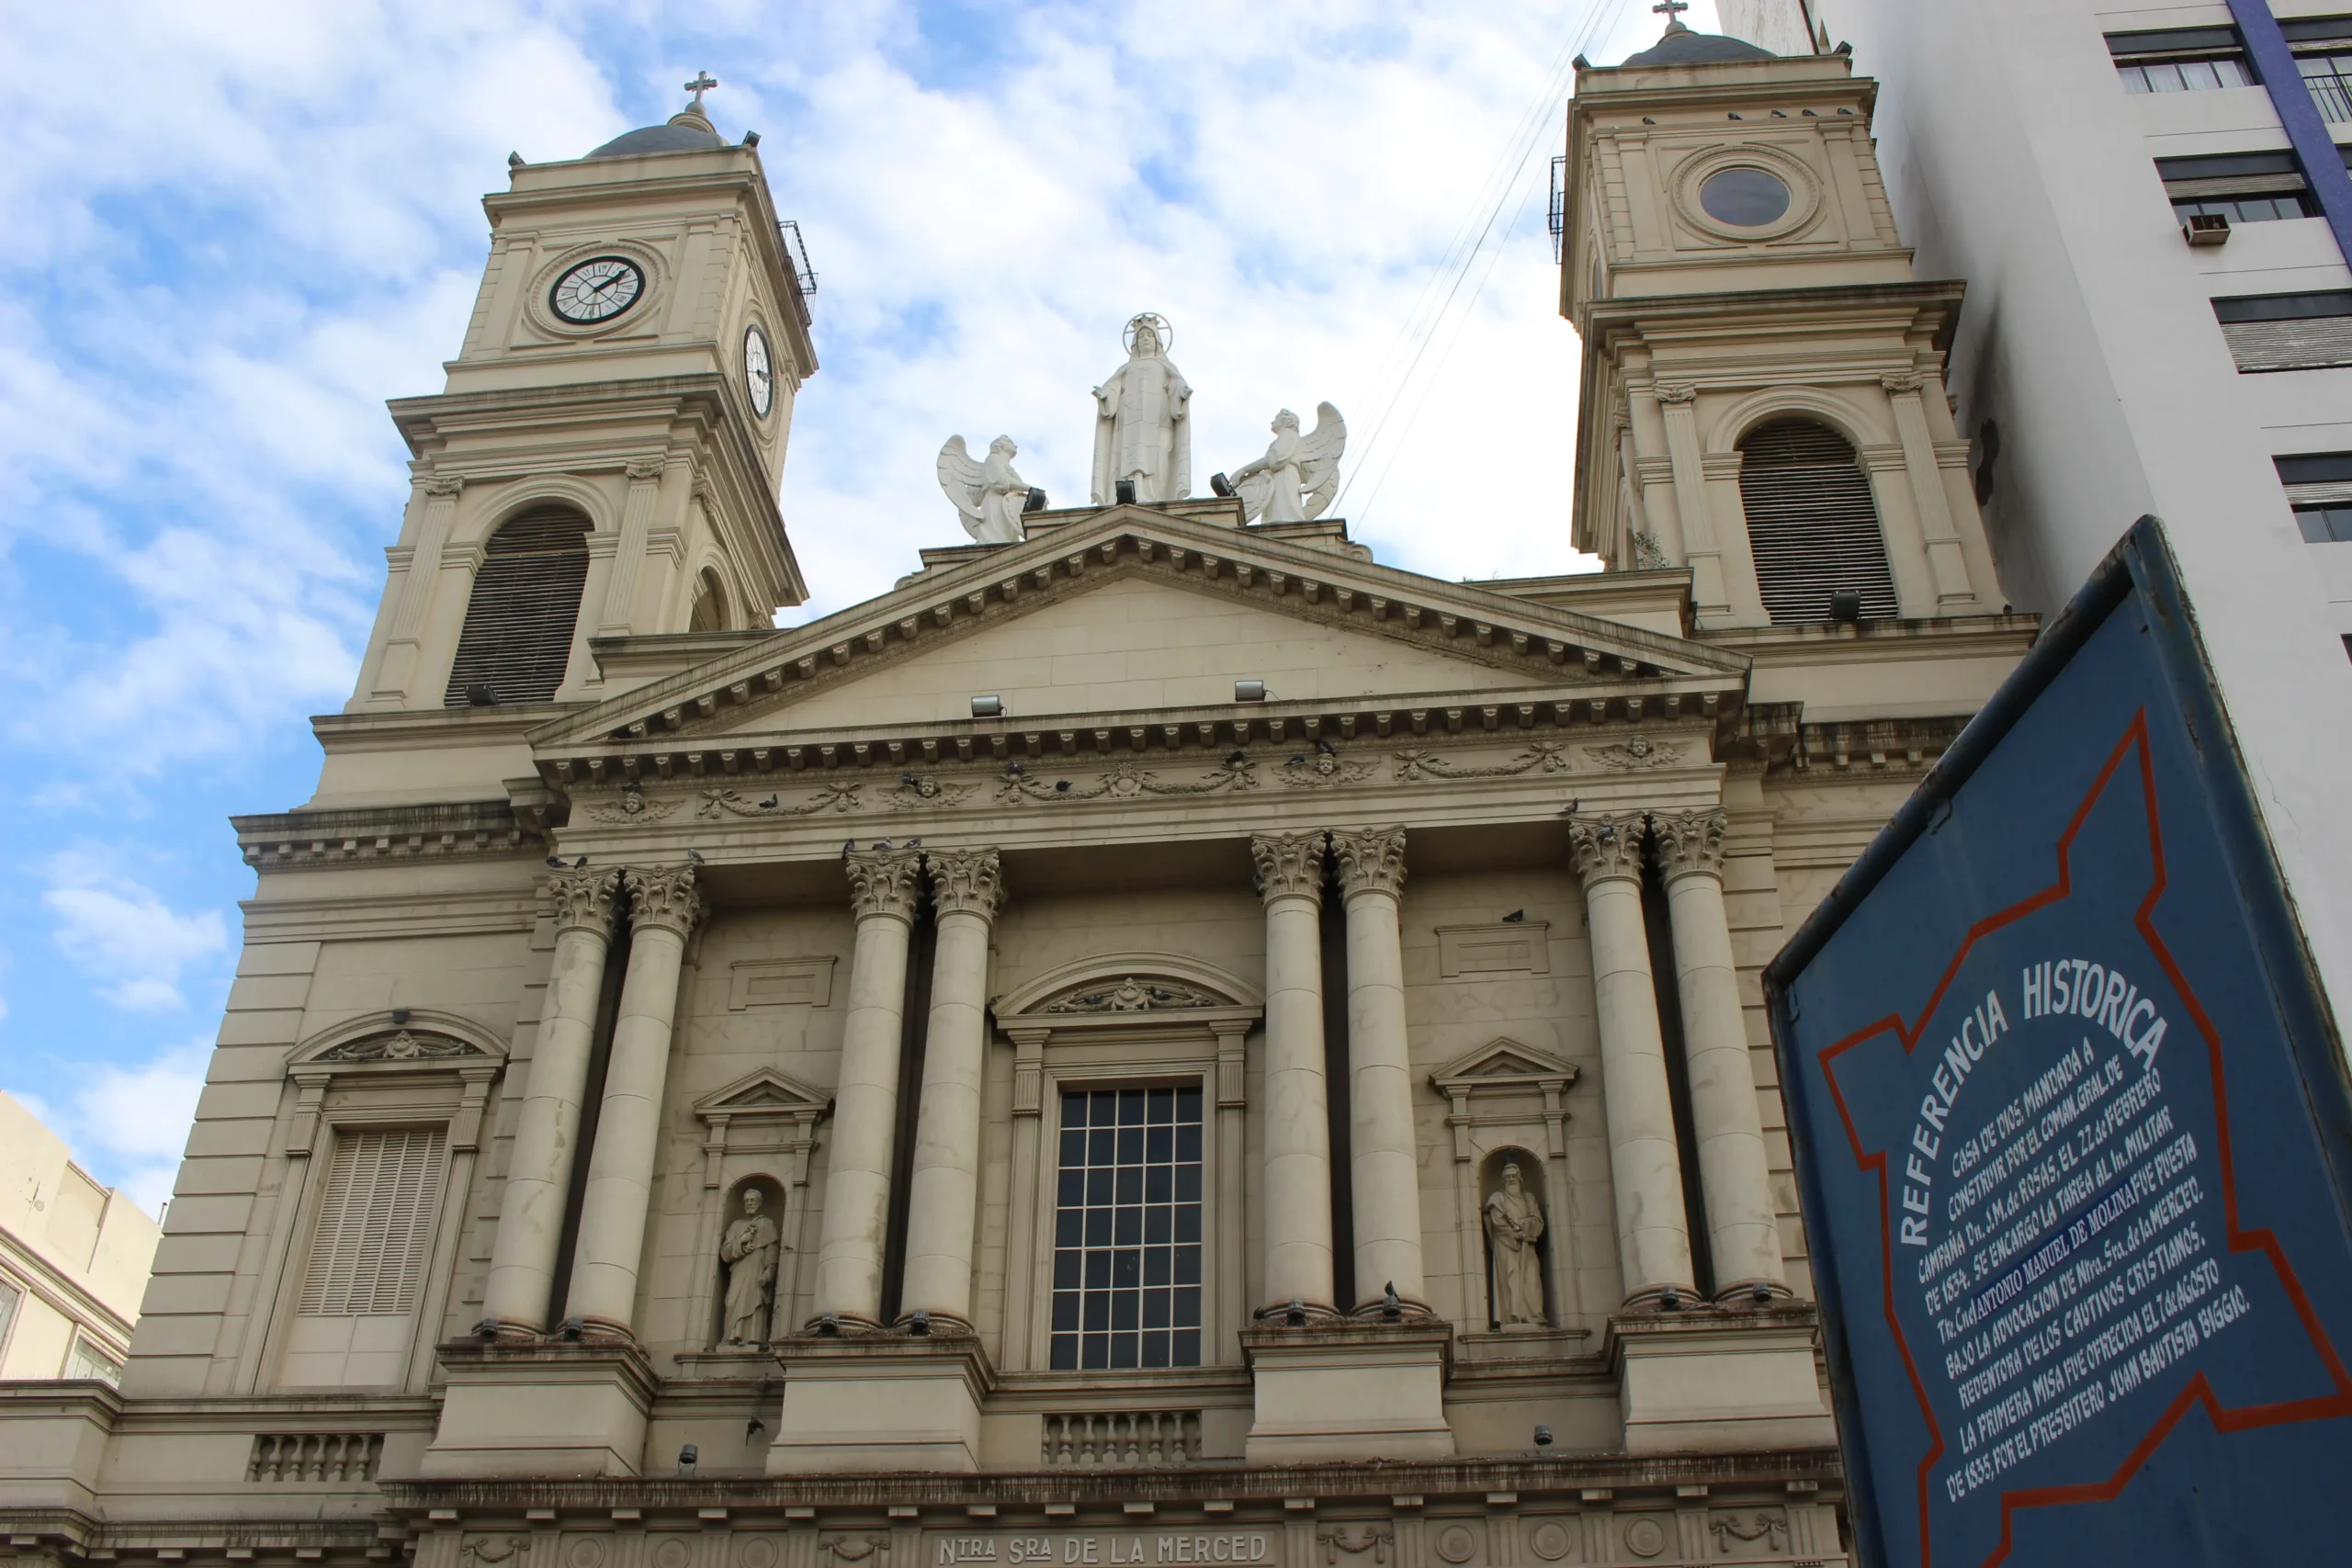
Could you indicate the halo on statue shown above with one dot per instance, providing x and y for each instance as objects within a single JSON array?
[{"x": 1159, "y": 327}]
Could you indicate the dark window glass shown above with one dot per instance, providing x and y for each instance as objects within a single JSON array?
[
  {"x": 2329, "y": 77},
  {"x": 1127, "y": 1235},
  {"x": 1747, "y": 199},
  {"x": 2283, "y": 307},
  {"x": 2247, "y": 208},
  {"x": 2325, "y": 524}
]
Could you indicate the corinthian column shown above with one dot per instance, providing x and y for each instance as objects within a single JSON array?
[
  {"x": 663, "y": 907},
  {"x": 1383, "y": 1163},
  {"x": 1653, "y": 1230},
  {"x": 1742, "y": 1229},
  {"x": 882, "y": 889},
  {"x": 942, "y": 1196},
  {"x": 547, "y": 1133},
  {"x": 1299, "y": 1127}
]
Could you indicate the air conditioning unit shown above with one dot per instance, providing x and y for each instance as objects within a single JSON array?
[{"x": 2206, "y": 228}]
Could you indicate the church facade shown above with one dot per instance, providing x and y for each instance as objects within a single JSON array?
[{"x": 1164, "y": 1039}]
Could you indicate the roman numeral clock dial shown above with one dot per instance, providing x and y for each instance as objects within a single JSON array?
[
  {"x": 759, "y": 374},
  {"x": 598, "y": 290}
]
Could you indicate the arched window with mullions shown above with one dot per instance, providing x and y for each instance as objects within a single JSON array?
[
  {"x": 1812, "y": 525},
  {"x": 526, "y": 602}
]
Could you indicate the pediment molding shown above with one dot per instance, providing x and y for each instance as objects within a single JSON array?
[
  {"x": 1503, "y": 1064},
  {"x": 409, "y": 1040},
  {"x": 765, "y": 1095},
  {"x": 1555, "y": 647},
  {"x": 1067, "y": 990}
]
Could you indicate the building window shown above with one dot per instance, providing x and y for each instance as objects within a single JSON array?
[
  {"x": 1812, "y": 525},
  {"x": 2319, "y": 487},
  {"x": 2322, "y": 47},
  {"x": 90, "y": 1360},
  {"x": 2325, "y": 524},
  {"x": 2288, "y": 331},
  {"x": 2245, "y": 187},
  {"x": 525, "y": 601},
  {"x": 2185, "y": 60},
  {"x": 1128, "y": 1230},
  {"x": 373, "y": 1224}
]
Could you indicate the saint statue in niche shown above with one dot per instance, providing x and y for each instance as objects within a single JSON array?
[
  {"x": 749, "y": 1249},
  {"x": 1141, "y": 428},
  {"x": 1514, "y": 1227}
]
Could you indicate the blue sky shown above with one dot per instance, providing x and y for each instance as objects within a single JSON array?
[{"x": 233, "y": 229}]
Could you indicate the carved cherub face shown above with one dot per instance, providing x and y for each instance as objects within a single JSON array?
[{"x": 752, "y": 1198}]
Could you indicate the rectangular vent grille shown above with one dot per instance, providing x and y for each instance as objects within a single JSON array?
[
  {"x": 373, "y": 1224},
  {"x": 1811, "y": 524},
  {"x": 2312, "y": 343}
]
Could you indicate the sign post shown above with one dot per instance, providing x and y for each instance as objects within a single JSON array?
[{"x": 2074, "y": 1132}]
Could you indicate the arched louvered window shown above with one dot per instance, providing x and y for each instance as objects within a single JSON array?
[
  {"x": 710, "y": 604},
  {"x": 1811, "y": 522},
  {"x": 526, "y": 599}
]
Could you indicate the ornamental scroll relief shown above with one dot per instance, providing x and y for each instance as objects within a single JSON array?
[{"x": 1132, "y": 995}]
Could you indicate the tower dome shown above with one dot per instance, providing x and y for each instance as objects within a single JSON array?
[
  {"x": 689, "y": 131},
  {"x": 1680, "y": 46}
]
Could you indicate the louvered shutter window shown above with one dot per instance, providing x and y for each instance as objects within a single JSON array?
[
  {"x": 1811, "y": 522},
  {"x": 526, "y": 599},
  {"x": 374, "y": 1223}
]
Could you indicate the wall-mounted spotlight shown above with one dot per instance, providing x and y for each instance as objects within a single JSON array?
[
  {"x": 1036, "y": 501},
  {"x": 1123, "y": 492},
  {"x": 1250, "y": 692},
  {"x": 750, "y": 138},
  {"x": 1543, "y": 1436},
  {"x": 687, "y": 1457},
  {"x": 1846, "y": 604},
  {"x": 989, "y": 707},
  {"x": 1221, "y": 485}
]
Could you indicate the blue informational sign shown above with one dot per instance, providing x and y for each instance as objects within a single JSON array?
[{"x": 2073, "y": 1128}]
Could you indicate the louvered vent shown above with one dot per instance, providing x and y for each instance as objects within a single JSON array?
[
  {"x": 373, "y": 1224},
  {"x": 518, "y": 625},
  {"x": 1811, "y": 522},
  {"x": 2313, "y": 342}
]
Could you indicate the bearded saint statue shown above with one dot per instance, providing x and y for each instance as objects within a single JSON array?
[
  {"x": 748, "y": 1251},
  {"x": 1514, "y": 1226},
  {"x": 1142, "y": 429}
]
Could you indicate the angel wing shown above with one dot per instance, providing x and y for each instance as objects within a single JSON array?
[
  {"x": 1253, "y": 492},
  {"x": 962, "y": 480},
  {"x": 1319, "y": 464}
]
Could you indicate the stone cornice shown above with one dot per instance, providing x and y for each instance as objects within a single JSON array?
[
  {"x": 1290, "y": 865},
  {"x": 967, "y": 882},
  {"x": 307, "y": 840},
  {"x": 1691, "y": 843},
  {"x": 1371, "y": 861}
]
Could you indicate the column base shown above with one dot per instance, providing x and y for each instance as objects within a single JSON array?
[
  {"x": 1708, "y": 1381},
  {"x": 1348, "y": 1389},
  {"x": 876, "y": 1403},
  {"x": 570, "y": 1411}
]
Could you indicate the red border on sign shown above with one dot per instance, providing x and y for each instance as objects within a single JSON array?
[{"x": 2198, "y": 1391}]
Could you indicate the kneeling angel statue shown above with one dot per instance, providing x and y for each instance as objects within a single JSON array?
[
  {"x": 1299, "y": 474},
  {"x": 989, "y": 497}
]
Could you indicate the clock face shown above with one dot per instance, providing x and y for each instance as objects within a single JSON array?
[
  {"x": 597, "y": 289},
  {"x": 759, "y": 376}
]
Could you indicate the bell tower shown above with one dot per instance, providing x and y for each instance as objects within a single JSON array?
[
  {"x": 605, "y": 457},
  {"x": 1763, "y": 382}
]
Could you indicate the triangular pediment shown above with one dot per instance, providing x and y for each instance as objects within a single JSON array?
[
  {"x": 1135, "y": 610},
  {"x": 762, "y": 1093},
  {"x": 1503, "y": 1062}
]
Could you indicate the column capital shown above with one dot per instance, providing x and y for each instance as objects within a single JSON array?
[
  {"x": 1372, "y": 860},
  {"x": 1289, "y": 864},
  {"x": 644, "y": 470},
  {"x": 663, "y": 896},
  {"x": 883, "y": 882},
  {"x": 1606, "y": 847},
  {"x": 967, "y": 882},
  {"x": 1691, "y": 843},
  {"x": 441, "y": 484},
  {"x": 583, "y": 900}
]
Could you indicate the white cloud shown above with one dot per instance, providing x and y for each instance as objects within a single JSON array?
[{"x": 126, "y": 938}]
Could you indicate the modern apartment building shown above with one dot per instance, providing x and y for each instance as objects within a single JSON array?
[
  {"x": 2149, "y": 206},
  {"x": 73, "y": 1259}
]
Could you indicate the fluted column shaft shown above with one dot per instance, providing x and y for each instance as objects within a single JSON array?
[
  {"x": 547, "y": 1133},
  {"x": 883, "y": 890},
  {"x": 1383, "y": 1156},
  {"x": 943, "y": 1197},
  {"x": 663, "y": 907},
  {"x": 1742, "y": 1231},
  {"x": 1645, "y": 1164},
  {"x": 1297, "y": 1122}
]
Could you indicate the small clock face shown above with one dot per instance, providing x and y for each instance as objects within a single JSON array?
[
  {"x": 597, "y": 289},
  {"x": 759, "y": 376}
]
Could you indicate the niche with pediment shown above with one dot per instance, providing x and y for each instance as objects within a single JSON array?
[
  {"x": 1506, "y": 1107},
  {"x": 758, "y": 1133}
]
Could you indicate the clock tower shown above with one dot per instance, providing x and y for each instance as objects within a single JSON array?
[{"x": 605, "y": 458}]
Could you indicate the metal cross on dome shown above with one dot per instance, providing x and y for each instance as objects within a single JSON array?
[
  {"x": 703, "y": 82},
  {"x": 1671, "y": 9}
]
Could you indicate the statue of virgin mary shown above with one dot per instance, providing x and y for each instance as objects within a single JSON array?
[{"x": 1141, "y": 429}]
